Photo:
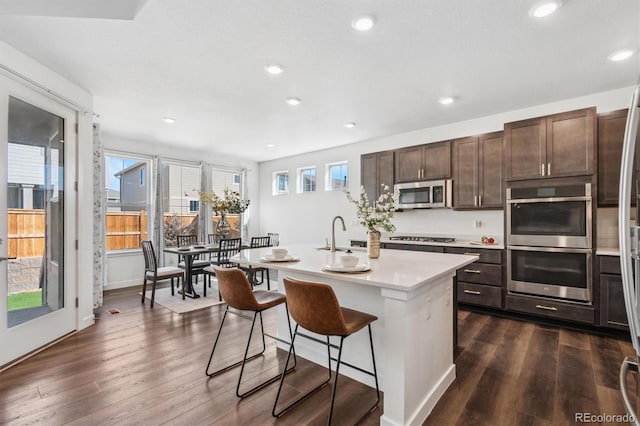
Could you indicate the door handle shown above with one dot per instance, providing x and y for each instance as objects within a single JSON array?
[
  {"x": 628, "y": 364},
  {"x": 472, "y": 292},
  {"x": 548, "y": 169},
  {"x": 542, "y": 169}
]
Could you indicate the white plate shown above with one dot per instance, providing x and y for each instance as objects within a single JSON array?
[
  {"x": 363, "y": 267},
  {"x": 271, "y": 258}
]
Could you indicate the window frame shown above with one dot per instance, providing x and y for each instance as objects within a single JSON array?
[
  {"x": 148, "y": 167},
  {"x": 328, "y": 181},
  {"x": 275, "y": 187},
  {"x": 300, "y": 189}
]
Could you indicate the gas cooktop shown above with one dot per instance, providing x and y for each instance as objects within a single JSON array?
[{"x": 423, "y": 239}]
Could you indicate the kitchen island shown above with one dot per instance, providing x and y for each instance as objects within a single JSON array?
[{"x": 412, "y": 295}]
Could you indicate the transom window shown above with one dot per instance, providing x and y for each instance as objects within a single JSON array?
[
  {"x": 281, "y": 182},
  {"x": 337, "y": 176},
  {"x": 307, "y": 179}
]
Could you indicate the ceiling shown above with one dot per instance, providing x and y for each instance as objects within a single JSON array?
[{"x": 202, "y": 62}]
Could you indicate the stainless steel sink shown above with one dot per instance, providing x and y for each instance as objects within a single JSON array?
[{"x": 329, "y": 248}]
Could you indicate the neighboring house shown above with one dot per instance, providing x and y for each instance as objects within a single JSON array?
[
  {"x": 133, "y": 187},
  {"x": 180, "y": 187},
  {"x": 26, "y": 176}
]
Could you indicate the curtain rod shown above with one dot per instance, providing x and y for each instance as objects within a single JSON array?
[{"x": 53, "y": 93}]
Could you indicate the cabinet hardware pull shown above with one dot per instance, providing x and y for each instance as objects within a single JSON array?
[
  {"x": 475, "y": 201},
  {"x": 542, "y": 169},
  {"x": 546, "y": 308},
  {"x": 472, "y": 292},
  {"x": 418, "y": 173},
  {"x": 473, "y": 271},
  {"x": 548, "y": 169},
  {"x": 479, "y": 200},
  {"x": 471, "y": 254}
]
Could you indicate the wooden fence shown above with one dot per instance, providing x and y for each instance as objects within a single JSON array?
[{"x": 125, "y": 230}]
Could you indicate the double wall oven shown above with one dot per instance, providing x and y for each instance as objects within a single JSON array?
[{"x": 549, "y": 242}]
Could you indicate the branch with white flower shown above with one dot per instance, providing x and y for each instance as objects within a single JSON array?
[{"x": 379, "y": 215}]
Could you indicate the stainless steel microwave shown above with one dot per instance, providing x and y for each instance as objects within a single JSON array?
[{"x": 424, "y": 194}]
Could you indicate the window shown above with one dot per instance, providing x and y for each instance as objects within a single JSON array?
[
  {"x": 222, "y": 179},
  {"x": 180, "y": 186},
  {"x": 281, "y": 183},
  {"x": 337, "y": 176},
  {"x": 307, "y": 179},
  {"x": 128, "y": 201},
  {"x": 194, "y": 206}
]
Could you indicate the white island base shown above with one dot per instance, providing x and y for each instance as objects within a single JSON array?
[{"x": 411, "y": 293}]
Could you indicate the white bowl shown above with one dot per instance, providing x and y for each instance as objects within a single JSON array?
[
  {"x": 279, "y": 253},
  {"x": 349, "y": 260}
]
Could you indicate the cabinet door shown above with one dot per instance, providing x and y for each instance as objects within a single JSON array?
[
  {"x": 610, "y": 138},
  {"x": 490, "y": 175},
  {"x": 408, "y": 164},
  {"x": 525, "y": 150},
  {"x": 437, "y": 161},
  {"x": 612, "y": 310},
  {"x": 369, "y": 175},
  {"x": 570, "y": 143},
  {"x": 465, "y": 173},
  {"x": 385, "y": 170}
]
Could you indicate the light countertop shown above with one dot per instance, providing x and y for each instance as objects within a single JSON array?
[
  {"x": 608, "y": 251},
  {"x": 394, "y": 269}
]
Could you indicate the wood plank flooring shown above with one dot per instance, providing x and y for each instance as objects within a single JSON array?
[{"x": 146, "y": 366}]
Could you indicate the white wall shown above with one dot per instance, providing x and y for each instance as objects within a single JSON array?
[
  {"x": 43, "y": 76},
  {"x": 307, "y": 217},
  {"x": 126, "y": 269}
]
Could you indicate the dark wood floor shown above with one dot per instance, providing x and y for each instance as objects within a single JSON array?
[{"x": 146, "y": 366}]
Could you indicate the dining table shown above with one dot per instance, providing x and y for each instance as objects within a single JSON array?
[{"x": 190, "y": 253}]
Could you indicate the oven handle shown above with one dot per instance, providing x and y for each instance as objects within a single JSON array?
[
  {"x": 548, "y": 200},
  {"x": 551, "y": 249}
]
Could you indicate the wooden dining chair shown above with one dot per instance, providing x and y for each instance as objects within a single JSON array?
[
  {"x": 197, "y": 263},
  {"x": 155, "y": 274},
  {"x": 252, "y": 271},
  {"x": 226, "y": 249}
]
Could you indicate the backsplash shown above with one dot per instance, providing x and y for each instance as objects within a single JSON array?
[{"x": 447, "y": 222}]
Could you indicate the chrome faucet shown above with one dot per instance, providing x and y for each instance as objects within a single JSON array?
[{"x": 333, "y": 231}]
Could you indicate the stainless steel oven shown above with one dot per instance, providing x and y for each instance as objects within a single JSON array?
[
  {"x": 562, "y": 273},
  {"x": 549, "y": 216}
]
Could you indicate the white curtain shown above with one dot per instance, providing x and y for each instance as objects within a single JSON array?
[
  {"x": 99, "y": 223},
  {"x": 158, "y": 223}
]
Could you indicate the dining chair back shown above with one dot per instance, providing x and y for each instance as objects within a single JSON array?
[
  {"x": 274, "y": 239},
  {"x": 257, "y": 242},
  {"x": 226, "y": 249},
  {"x": 198, "y": 263},
  {"x": 153, "y": 273},
  {"x": 252, "y": 271}
]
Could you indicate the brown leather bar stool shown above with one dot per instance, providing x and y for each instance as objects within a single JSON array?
[
  {"x": 237, "y": 293},
  {"x": 314, "y": 307}
]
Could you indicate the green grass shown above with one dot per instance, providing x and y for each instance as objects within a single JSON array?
[{"x": 25, "y": 300}]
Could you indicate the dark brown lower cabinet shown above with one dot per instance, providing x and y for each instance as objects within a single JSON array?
[
  {"x": 551, "y": 308},
  {"x": 613, "y": 313}
]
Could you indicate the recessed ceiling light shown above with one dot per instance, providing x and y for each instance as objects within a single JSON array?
[
  {"x": 363, "y": 23},
  {"x": 270, "y": 145},
  {"x": 621, "y": 55},
  {"x": 293, "y": 101},
  {"x": 350, "y": 125},
  {"x": 544, "y": 8},
  {"x": 169, "y": 120},
  {"x": 446, "y": 100},
  {"x": 274, "y": 69}
]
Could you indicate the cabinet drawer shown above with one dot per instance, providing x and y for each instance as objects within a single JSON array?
[
  {"x": 609, "y": 264},
  {"x": 358, "y": 243},
  {"x": 481, "y": 273},
  {"x": 550, "y": 308},
  {"x": 476, "y": 294},
  {"x": 486, "y": 255}
]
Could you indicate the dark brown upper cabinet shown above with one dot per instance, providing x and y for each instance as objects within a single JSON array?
[
  {"x": 553, "y": 146},
  {"x": 611, "y": 127},
  {"x": 423, "y": 162},
  {"x": 376, "y": 169},
  {"x": 478, "y": 179}
]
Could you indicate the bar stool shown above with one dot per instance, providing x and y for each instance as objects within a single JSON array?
[
  {"x": 237, "y": 293},
  {"x": 314, "y": 307}
]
